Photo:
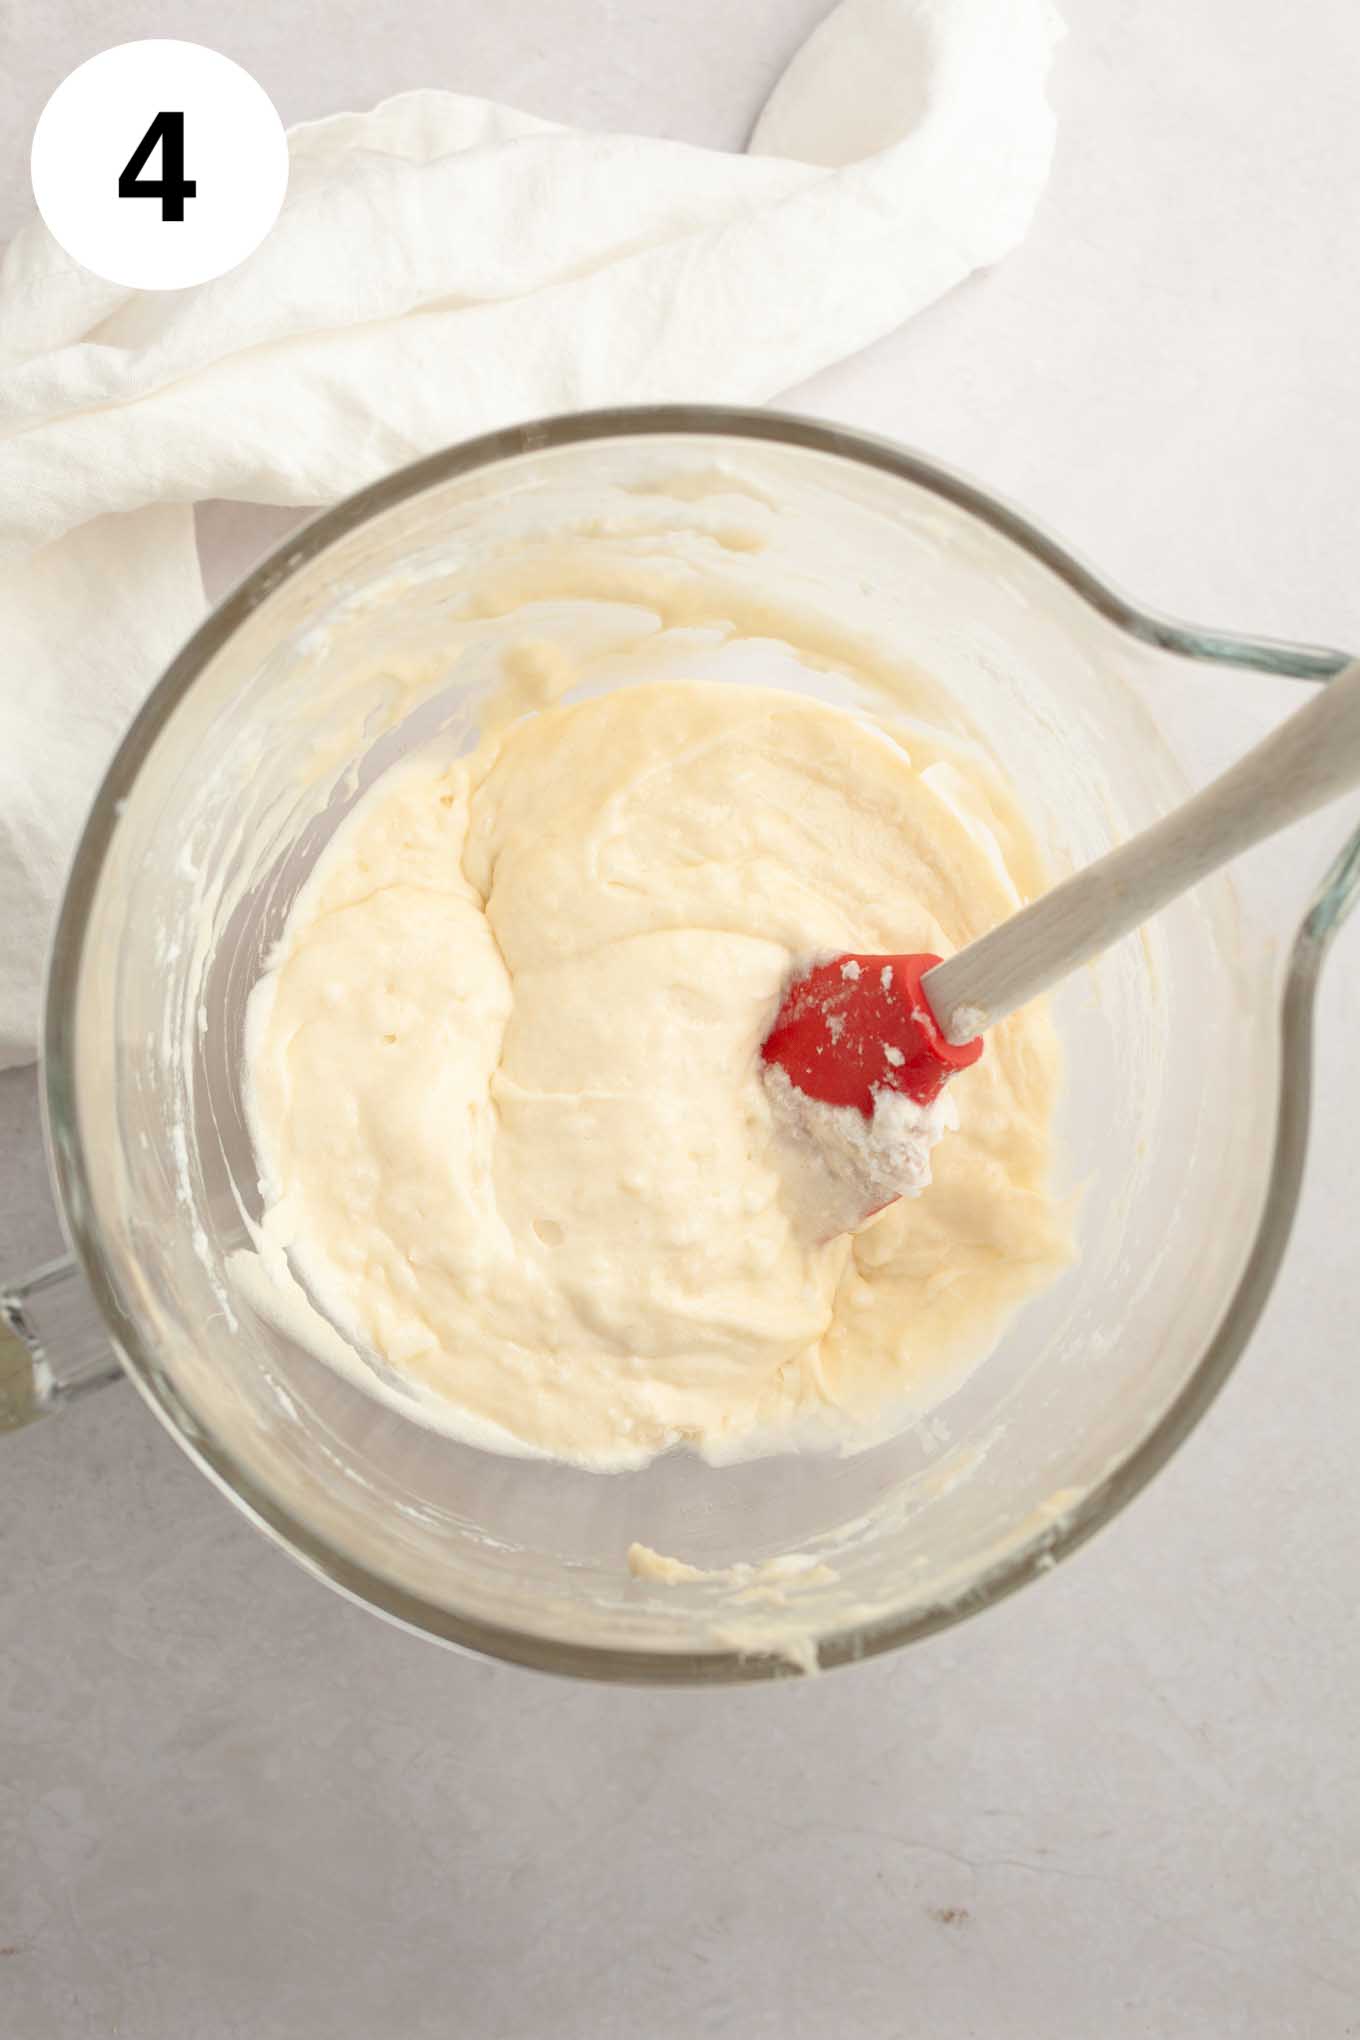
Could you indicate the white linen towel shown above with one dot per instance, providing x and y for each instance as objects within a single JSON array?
[{"x": 443, "y": 266}]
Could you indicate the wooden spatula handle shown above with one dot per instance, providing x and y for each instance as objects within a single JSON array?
[{"x": 1311, "y": 759}]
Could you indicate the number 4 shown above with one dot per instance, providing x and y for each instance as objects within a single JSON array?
[{"x": 171, "y": 187}]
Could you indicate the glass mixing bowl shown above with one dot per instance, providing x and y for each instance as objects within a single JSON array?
[{"x": 357, "y": 639}]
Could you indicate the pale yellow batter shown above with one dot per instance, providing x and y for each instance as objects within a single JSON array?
[{"x": 506, "y": 1090}]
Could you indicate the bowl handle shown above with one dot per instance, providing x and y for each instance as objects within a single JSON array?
[{"x": 54, "y": 1346}]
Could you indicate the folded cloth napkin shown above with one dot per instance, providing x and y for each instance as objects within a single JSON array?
[{"x": 443, "y": 266}]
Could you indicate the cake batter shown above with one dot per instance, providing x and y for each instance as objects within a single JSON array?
[{"x": 507, "y": 1097}]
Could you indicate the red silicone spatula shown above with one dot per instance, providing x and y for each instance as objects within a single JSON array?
[
  {"x": 862, "y": 1023},
  {"x": 856, "y": 1024}
]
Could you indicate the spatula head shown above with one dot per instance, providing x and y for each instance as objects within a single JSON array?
[{"x": 857, "y": 1024}]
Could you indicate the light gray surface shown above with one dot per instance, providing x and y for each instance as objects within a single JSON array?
[{"x": 1125, "y": 1803}]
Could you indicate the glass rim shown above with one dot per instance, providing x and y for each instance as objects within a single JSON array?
[{"x": 850, "y": 1642}]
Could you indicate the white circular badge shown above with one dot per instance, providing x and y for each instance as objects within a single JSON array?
[{"x": 159, "y": 164}]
